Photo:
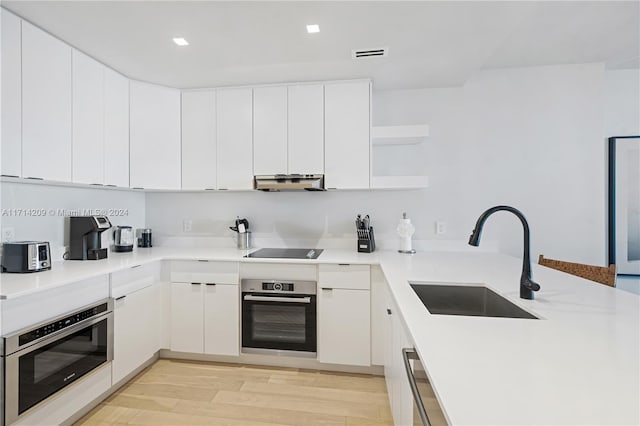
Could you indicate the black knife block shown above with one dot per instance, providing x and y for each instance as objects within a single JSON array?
[{"x": 366, "y": 240}]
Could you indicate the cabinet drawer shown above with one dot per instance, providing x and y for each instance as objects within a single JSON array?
[
  {"x": 355, "y": 277},
  {"x": 134, "y": 278},
  {"x": 190, "y": 271}
]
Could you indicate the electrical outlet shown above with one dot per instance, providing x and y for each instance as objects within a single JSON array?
[
  {"x": 8, "y": 235},
  {"x": 441, "y": 227},
  {"x": 186, "y": 225}
]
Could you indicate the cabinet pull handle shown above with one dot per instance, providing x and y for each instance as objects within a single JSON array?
[
  {"x": 410, "y": 353},
  {"x": 111, "y": 185},
  {"x": 137, "y": 187},
  {"x": 209, "y": 189},
  {"x": 210, "y": 283},
  {"x": 202, "y": 260},
  {"x": 327, "y": 288},
  {"x": 34, "y": 178},
  {"x": 136, "y": 266},
  {"x": 388, "y": 311},
  {"x": 344, "y": 264},
  {"x": 196, "y": 283},
  {"x": 121, "y": 297}
]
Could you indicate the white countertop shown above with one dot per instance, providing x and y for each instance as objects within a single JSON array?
[
  {"x": 579, "y": 364},
  {"x": 70, "y": 271}
]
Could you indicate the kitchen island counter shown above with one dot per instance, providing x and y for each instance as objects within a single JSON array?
[{"x": 578, "y": 364}]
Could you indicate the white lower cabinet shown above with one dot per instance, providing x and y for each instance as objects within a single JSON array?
[
  {"x": 344, "y": 315},
  {"x": 205, "y": 318},
  {"x": 187, "y": 318},
  {"x": 135, "y": 334},
  {"x": 221, "y": 319},
  {"x": 396, "y": 338}
]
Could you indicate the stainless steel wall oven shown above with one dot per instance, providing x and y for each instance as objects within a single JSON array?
[
  {"x": 279, "y": 316},
  {"x": 42, "y": 360}
]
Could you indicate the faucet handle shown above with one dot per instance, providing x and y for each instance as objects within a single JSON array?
[{"x": 531, "y": 285}]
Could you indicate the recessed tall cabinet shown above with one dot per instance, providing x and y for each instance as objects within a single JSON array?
[
  {"x": 46, "y": 106},
  {"x": 11, "y": 95},
  {"x": 154, "y": 136}
]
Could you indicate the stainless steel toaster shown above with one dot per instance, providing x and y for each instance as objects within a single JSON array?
[{"x": 26, "y": 256}]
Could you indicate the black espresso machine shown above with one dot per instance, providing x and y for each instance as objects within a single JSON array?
[{"x": 84, "y": 237}]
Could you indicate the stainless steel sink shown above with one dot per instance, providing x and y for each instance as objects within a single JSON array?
[{"x": 467, "y": 300}]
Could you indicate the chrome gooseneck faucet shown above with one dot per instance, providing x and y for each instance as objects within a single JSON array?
[{"x": 527, "y": 285}]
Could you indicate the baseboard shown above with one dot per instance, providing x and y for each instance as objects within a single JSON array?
[{"x": 273, "y": 361}]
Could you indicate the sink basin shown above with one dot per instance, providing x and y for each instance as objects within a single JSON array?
[{"x": 466, "y": 300}]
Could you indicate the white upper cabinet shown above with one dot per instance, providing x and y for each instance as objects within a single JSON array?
[
  {"x": 347, "y": 127},
  {"x": 88, "y": 120},
  {"x": 116, "y": 129},
  {"x": 199, "y": 139},
  {"x": 46, "y": 106},
  {"x": 235, "y": 138},
  {"x": 154, "y": 136},
  {"x": 288, "y": 130},
  {"x": 270, "y": 130},
  {"x": 11, "y": 96},
  {"x": 306, "y": 129}
]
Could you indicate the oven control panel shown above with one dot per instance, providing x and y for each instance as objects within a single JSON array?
[
  {"x": 275, "y": 286},
  {"x": 60, "y": 324}
]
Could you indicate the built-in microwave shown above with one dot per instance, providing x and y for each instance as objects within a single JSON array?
[{"x": 44, "y": 359}]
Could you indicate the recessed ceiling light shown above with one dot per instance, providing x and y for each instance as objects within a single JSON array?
[
  {"x": 180, "y": 41},
  {"x": 313, "y": 28}
]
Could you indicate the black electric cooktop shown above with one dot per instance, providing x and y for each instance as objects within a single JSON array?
[{"x": 284, "y": 253}]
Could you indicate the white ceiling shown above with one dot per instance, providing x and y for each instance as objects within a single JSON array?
[{"x": 431, "y": 43}]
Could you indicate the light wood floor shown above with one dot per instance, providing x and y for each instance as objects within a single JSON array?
[{"x": 172, "y": 392}]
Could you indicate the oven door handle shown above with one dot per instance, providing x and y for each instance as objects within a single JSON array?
[
  {"x": 253, "y": 298},
  {"x": 45, "y": 340}
]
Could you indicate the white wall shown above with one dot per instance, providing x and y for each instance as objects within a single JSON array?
[
  {"x": 56, "y": 200},
  {"x": 622, "y": 106},
  {"x": 535, "y": 140}
]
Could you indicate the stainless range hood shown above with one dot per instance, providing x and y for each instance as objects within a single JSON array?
[{"x": 289, "y": 182}]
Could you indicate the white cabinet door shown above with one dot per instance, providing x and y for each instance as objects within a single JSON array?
[
  {"x": 347, "y": 126},
  {"x": 306, "y": 129},
  {"x": 270, "y": 130},
  {"x": 199, "y": 140},
  {"x": 88, "y": 120},
  {"x": 134, "y": 334},
  {"x": 155, "y": 136},
  {"x": 46, "y": 106},
  {"x": 221, "y": 319},
  {"x": 235, "y": 140},
  {"x": 116, "y": 129},
  {"x": 402, "y": 399},
  {"x": 11, "y": 95},
  {"x": 187, "y": 318},
  {"x": 344, "y": 327}
]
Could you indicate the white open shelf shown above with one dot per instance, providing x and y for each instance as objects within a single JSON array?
[
  {"x": 399, "y": 135},
  {"x": 399, "y": 182}
]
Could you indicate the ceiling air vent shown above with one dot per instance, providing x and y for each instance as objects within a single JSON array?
[{"x": 369, "y": 53}]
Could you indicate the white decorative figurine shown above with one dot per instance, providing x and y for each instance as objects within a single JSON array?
[{"x": 405, "y": 231}]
